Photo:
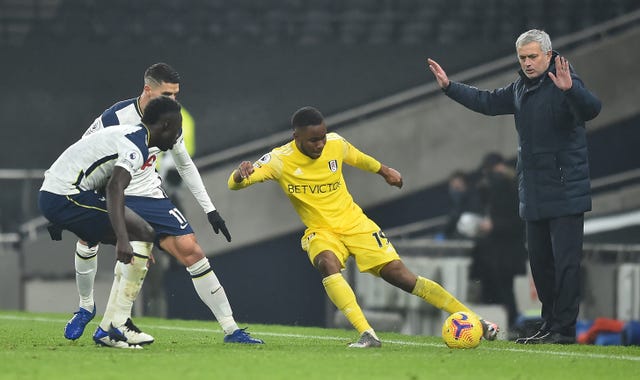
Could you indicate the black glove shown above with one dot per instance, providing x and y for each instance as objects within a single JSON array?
[{"x": 218, "y": 224}]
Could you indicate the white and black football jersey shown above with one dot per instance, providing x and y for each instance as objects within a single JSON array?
[{"x": 89, "y": 163}]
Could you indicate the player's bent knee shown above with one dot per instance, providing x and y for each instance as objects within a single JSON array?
[
  {"x": 139, "y": 232},
  {"x": 143, "y": 232},
  {"x": 184, "y": 248},
  {"x": 327, "y": 263},
  {"x": 83, "y": 250}
]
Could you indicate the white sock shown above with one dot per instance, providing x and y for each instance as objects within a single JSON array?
[
  {"x": 212, "y": 294},
  {"x": 86, "y": 264},
  {"x": 110, "y": 308},
  {"x": 132, "y": 277}
]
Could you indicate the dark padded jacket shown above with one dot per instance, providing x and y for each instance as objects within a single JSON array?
[{"x": 553, "y": 167}]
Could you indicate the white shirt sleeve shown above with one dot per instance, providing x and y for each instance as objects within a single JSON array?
[
  {"x": 95, "y": 126},
  {"x": 191, "y": 176},
  {"x": 130, "y": 159}
]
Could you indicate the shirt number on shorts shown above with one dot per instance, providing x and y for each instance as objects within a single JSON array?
[
  {"x": 178, "y": 215},
  {"x": 379, "y": 236}
]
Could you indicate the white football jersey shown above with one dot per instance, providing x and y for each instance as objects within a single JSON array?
[
  {"x": 88, "y": 164},
  {"x": 147, "y": 182}
]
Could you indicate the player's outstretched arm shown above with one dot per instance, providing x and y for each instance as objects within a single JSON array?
[
  {"x": 439, "y": 73},
  {"x": 391, "y": 175},
  {"x": 191, "y": 176}
]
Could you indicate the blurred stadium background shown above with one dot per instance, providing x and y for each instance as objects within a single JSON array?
[{"x": 246, "y": 66}]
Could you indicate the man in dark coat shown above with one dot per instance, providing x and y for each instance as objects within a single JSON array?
[
  {"x": 550, "y": 105},
  {"x": 499, "y": 253},
  {"x": 462, "y": 199}
]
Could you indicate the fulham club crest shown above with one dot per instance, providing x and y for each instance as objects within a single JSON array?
[{"x": 333, "y": 165}]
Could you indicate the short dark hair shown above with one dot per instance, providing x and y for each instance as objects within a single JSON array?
[
  {"x": 158, "y": 107},
  {"x": 490, "y": 160},
  {"x": 305, "y": 117},
  {"x": 161, "y": 72}
]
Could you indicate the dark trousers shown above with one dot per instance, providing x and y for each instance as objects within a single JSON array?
[
  {"x": 555, "y": 252},
  {"x": 497, "y": 288}
]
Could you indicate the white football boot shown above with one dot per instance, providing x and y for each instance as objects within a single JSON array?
[{"x": 130, "y": 333}]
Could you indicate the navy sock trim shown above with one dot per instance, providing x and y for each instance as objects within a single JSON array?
[
  {"x": 201, "y": 274},
  {"x": 86, "y": 257}
]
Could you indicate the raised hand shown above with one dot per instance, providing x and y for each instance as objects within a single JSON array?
[
  {"x": 562, "y": 78},
  {"x": 439, "y": 73}
]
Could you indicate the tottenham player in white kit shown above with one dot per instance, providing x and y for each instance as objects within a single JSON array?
[
  {"x": 71, "y": 195},
  {"x": 173, "y": 232}
]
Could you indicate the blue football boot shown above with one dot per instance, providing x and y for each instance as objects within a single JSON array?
[
  {"x": 241, "y": 336},
  {"x": 75, "y": 327}
]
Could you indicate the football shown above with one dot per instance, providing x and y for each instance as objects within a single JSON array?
[{"x": 462, "y": 330}]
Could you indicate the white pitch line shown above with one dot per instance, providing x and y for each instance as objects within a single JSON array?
[{"x": 320, "y": 337}]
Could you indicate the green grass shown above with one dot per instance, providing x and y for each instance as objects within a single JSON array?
[{"x": 32, "y": 347}]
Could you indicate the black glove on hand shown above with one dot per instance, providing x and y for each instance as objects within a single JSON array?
[{"x": 218, "y": 224}]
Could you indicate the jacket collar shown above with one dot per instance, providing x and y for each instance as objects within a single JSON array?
[{"x": 539, "y": 79}]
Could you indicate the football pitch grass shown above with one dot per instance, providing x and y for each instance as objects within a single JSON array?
[{"x": 32, "y": 347}]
